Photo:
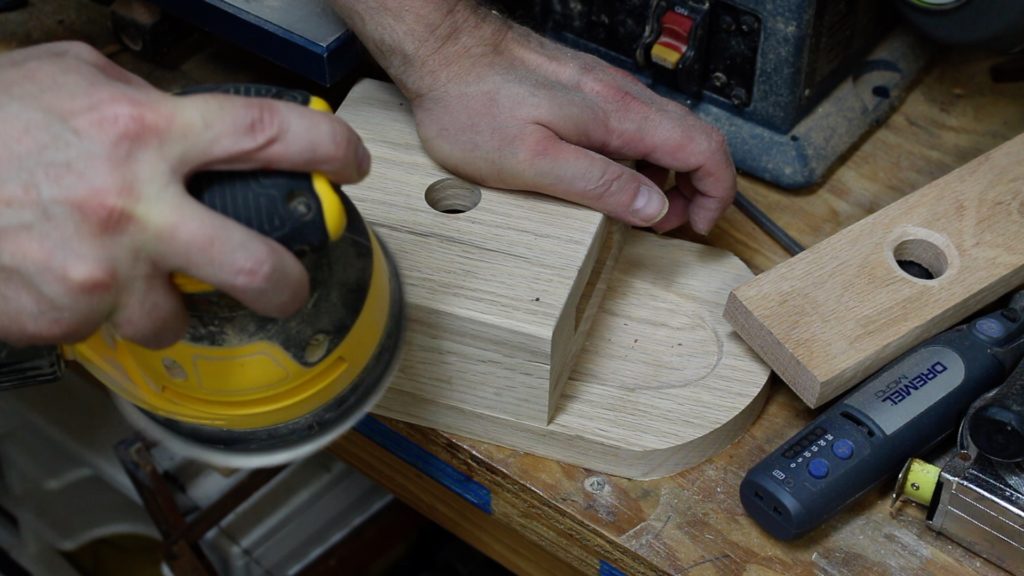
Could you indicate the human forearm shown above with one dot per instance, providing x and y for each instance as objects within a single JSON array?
[
  {"x": 94, "y": 213},
  {"x": 419, "y": 42}
]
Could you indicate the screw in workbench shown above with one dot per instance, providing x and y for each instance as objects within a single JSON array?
[{"x": 595, "y": 484}]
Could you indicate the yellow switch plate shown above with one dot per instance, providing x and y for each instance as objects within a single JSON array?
[{"x": 665, "y": 56}]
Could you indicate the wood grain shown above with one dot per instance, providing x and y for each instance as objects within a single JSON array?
[
  {"x": 657, "y": 389},
  {"x": 661, "y": 382},
  {"x": 838, "y": 312},
  {"x": 502, "y": 543},
  {"x": 691, "y": 522},
  {"x": 492, "y": 292}
]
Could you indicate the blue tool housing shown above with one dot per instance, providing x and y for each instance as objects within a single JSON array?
[{"x": 894, "y": 415}]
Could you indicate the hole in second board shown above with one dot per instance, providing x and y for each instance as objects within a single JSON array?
[
  {"x": 921, "y": 259},
  {"x": 915, "y": 269},
  {"x": 452, "y": 196}
]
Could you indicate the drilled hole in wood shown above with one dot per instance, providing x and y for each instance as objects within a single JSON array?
[
  {"x": 452, "y": 196},
  {"x": 921, "y": 259}
]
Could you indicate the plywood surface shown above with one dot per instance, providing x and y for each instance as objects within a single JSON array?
[
  {"x": 661, "y": 381},
  {"x": 838, "y": 312}
]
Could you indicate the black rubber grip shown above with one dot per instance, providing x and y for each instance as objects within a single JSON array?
[
  {"x": 252, "y": 91},
  {"x": 997, "y": 426},
  {"x": 281, "y": 205}
]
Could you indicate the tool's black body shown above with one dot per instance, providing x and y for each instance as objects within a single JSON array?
[
  {"x": 771, "y": 59},
  {"x": 789, "y": 82},
  {"x": 868, "y": 435},
  {"x": 996, "y": 426},
  {"x": 281, "y": 205},
  {"x": 993, "y": 24}
]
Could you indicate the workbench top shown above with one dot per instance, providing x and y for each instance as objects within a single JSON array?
[
  {"x": 693, "y": 522},
  {"x": 539, "y": 516}
]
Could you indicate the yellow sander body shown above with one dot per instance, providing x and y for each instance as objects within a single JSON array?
[
  {"x": 245, "y": 391},
  {"x": 241, "y": 390}
]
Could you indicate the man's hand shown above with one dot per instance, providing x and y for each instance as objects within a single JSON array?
[
  {"x": 94, "y": 216},
  {"x": 502, "y": 106}
]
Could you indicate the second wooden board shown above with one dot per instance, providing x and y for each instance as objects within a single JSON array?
[{"x": 833, "y": 315}]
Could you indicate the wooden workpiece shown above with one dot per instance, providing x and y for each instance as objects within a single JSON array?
[
  {"x": 838, "y": 312},
  {"x": 543, "y": 326},
  {"x": 493, "y": 281},
  {"x": 692, "y": 522},
  {"x": 548, "y": 517}
]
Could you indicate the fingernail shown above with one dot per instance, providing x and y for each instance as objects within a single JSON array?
[
  {"x": 661, "y": 229},
  {"x": 649, "y": 206},
  {"x": 363, "y": 160}
]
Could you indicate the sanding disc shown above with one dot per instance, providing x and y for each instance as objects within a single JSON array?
[{"x": 290, "y": 441}]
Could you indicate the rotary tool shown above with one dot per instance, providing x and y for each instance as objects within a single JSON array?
[
  {"x": 867, "y": 435},
  {"x": 242, "y": 390}
]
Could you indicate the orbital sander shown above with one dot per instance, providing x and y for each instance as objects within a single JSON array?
[{"x": 241, "y": 390}]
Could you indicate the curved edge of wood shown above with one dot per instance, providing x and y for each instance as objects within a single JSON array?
[
  {"x": 575, "y": 450},
  {"x": 640, "y": 433}
]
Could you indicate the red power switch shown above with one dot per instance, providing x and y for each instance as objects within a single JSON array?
[{"x": 674, "y": 39}]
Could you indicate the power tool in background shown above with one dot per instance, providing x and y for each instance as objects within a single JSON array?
[
  {"x": 792, "y": 84},
  {"x": 899, "y": 412},
  {"x": 242, "y": 390},
  {"x": 994, "y": 24},
  {"x": 977, "y": 496},
  {"x": 789, "y": 82}
]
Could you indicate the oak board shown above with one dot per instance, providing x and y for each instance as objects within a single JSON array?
[
  {"x": 689, "y": 523},
  {"x": 838, "y": 312},
  {"x": 661, "y": 381}
]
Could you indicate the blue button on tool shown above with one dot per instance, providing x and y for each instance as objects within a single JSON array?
[
  {"x": 990, "y": 327},
  {"x": 818, "y": 468},
  {"x": 843, "y": 449}
]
